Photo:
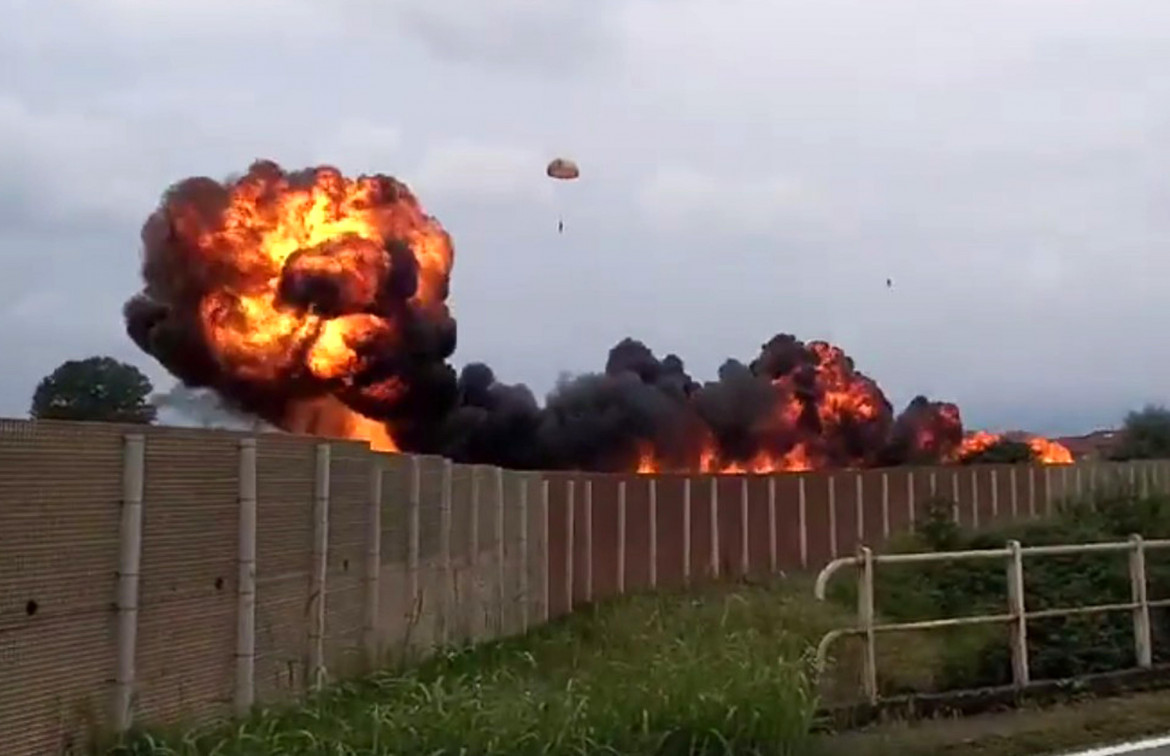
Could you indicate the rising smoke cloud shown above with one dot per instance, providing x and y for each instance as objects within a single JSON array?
[{"x": 319, "y": 304}]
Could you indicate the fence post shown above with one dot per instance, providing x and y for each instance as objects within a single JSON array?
[
  {"x": 832, "y": 490},
  {"x": 129, "y": 562},
  {"x": 1019, "y": 621},
  {"x": 859, "y": 508},
  {"x": 975, "y": 496},
  {"x": 686, "y": 506},
  {"x": 933, "y": 483},
  {"x": 413, "y": 506},
  {"x": 246, "y": 580},
  {"x": 448, "y": 597},
  {"x": 473, "y": 523},
  {"x": 885, "y": 505},
  {"x": 802, "y": 519},
  {"x": 570, "y": 536},
  {"x": 320, "y": 565},
  {"x": 1078, "y": 490},
  {"x": 865, "y": 615},
  {"x": 525, "y": 561},
  {"x": 621, "y": 544},
  {"x": 744, "y": 513},
  {"x": 715, "y": 526},
  {"x": 652, "y": 493},
  {"x": 1032, "y": 492},
  {"x": 1142, "y": 643},
  {"x": 994, "y": 494},
  {"x": 1015, "y": 497},
  {"x": 544, "y": 522},
  {"x": 911, "y": 507},
  {"x": 773, "y": 555},
  {"x": 588, "y": 486},
  {"x": 373, "y": 559},
  {"x": 955, "y": 498},
  {"x": 501, "y": 591}
]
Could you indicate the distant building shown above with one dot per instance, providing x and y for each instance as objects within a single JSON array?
[{"x": 1096, "y": 445}]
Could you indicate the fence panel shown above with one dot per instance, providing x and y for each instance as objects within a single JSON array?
[
  {"x": 821, "y": 521},
  {"x": 671, "y": 548},
  {"x": 468, "y": 623},
  {"x": 760, "y": 523},
  {"x": 791, "y": 530},
  {"x": 187, "y": 589},
  {"x": 637, "y": 532},
  {"x": 512, "y": 593},
  {"x": 284, "y": 542},
  {"x": 466, "y": 553},
  {"x": 704, "y": 496},
  {"x": 60, "y": 488},
  {"x": 395, "y": 601},
  {"x": 605, "y": 536},
  {"x": 345, "y": 556},
  {"x": 875, "y": 510},
  {"x": 558, "y": 544}
]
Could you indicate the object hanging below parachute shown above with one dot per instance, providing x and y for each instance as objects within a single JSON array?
[{"x": 562, "y": 169}]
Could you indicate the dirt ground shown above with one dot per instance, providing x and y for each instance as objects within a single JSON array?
[{"x": 1024, "y": 732}]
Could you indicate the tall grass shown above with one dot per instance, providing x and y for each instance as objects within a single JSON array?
[{"x": 724, "y": 671}]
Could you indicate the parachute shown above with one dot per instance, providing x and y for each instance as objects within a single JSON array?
[{"x": 562, "y": 169}]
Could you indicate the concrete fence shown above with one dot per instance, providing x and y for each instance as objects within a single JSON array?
[{"x": 161, "y": 575}]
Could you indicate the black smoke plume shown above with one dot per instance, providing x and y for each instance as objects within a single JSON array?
[{"x": 795, "y": 404}]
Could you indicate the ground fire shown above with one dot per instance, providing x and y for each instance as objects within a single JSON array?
[{"x": 319, "y": 304}]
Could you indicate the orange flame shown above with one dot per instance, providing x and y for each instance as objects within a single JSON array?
[
  {"x": 1050, "y": 452},
  {"x": 1046, "y": 452},
  {"x": 332, "y": 226},
  {"x": 795, "y": 460}
]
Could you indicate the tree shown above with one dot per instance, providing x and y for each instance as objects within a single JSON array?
[
  {"x": 97, "y": 388},
  {"x": 1145, "y": 434}
]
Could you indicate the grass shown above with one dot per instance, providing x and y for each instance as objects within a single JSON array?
[
  {"x": 728, "y": 669},
  {"x": 723, "y": 671}
]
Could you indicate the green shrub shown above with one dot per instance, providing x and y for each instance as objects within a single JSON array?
[{"x": 1058, "y": 647}]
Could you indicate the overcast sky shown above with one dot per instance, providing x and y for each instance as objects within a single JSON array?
[{"x": 748, "y": 167}]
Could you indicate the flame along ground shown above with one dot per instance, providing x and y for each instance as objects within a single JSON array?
[
  {"x": 1046, "y": 451},
  {"x": 318, "y": 302}
]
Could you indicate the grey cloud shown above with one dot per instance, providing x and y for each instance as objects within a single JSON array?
[
  {"x": 551, "y": 36},
  {"x": 748, "y": 167}
]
